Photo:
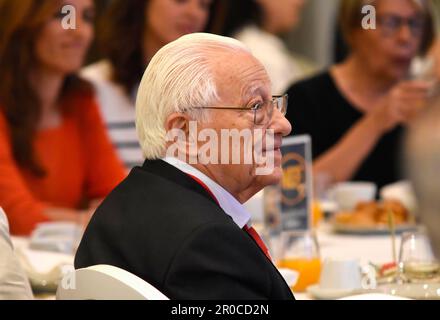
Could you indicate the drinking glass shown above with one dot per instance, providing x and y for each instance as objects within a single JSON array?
[
  {"x": 416, "y": 260},
  {"x": 300, "y": 252}
]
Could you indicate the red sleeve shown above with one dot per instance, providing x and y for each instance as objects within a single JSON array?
[
  {"x": 103, "y": 167},
  {"x": 22, "y": 209}
]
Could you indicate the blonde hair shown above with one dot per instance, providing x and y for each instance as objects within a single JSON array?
[
  {"x": 179, "y": 78},
  {"x": 350, "y": 17}
]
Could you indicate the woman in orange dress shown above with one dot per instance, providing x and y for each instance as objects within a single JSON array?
[{"x": 56, "y": 161}]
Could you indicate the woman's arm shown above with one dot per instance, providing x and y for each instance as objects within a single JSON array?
[
  {"x": 24, "y": 210},
  {"x": 342, "y": 160},
  {"x": 400, "y": 106}
]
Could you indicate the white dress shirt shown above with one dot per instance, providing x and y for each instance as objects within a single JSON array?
[{"x": 227, "y": 202}]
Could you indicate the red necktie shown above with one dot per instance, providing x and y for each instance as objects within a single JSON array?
[
  {"x": 250, "y": 230},
  {"x": 258, "y": 240}
]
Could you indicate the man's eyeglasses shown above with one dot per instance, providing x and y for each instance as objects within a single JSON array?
[
  {"x": 390, "y": 24},
  {"x": 263, "y": 111}
]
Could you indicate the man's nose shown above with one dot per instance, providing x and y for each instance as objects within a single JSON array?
[{"x": 280, "y": 124}]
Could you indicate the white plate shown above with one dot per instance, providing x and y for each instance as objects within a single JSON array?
[
  {"x": 413, "y": 290},
  {"x": 290, "y": 276},
  {"x": 374, "y": 296},
  {"x": 328, "y": 206},
  {"x": 326, "y": 294},
  {"x": 370, "y": 230}
]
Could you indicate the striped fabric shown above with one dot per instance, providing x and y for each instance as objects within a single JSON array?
[{"x": 118, "y": 113}]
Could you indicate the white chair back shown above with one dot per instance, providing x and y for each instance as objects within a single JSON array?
[{"x": 105, "y": 282}]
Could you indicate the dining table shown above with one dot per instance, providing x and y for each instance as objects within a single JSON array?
[{"x": 366, "y": 249}]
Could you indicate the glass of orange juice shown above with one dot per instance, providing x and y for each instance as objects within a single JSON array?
[
  {"x": 317, "y": 213},
  {"x": 300, "y": 252}
]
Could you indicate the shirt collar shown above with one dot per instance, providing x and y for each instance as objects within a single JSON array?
[{"x": 227, "y": 202}]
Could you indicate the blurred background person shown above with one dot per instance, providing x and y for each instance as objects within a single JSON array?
[
  {"x": 130, "y": 33},
  {"x": 434, "y": 52},
  {"x": 14, "y": 284},
  {"x": 356, "y": 111},
  {"x": 259, "y": 24},
  {"x": 56, "y": 160},
  {"x": 423, "y": 165}
]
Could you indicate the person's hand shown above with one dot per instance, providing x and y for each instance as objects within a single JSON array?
[
  {"x": 403, "y": 103},
  {"x": 434, "y": 53},
  {"x": 84, "y": 216},
  {"x": 61, "y": 214},
  {"x": 80, "y": 217},
  {"x": 94, "y": 204}
]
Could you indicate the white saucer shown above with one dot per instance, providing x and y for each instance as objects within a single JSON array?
[
  {"x": 430, "y": 291},
  {"x": 327, "y": 294}
]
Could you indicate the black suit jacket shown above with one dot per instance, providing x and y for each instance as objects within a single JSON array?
[{"x": 162, "y": 226}]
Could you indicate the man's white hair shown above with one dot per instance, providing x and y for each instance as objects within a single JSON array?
[{"x": 179, "y": 78}]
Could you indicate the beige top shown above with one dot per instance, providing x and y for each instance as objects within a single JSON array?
[{"x": 14, "y": 284}]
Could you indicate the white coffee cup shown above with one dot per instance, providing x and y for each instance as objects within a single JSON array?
[
  {"x": 348, "y": 194},
  {"x": 402, "y": 191},
  {"x": 340, "y": 274}
]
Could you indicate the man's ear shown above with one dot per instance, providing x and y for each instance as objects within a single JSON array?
[
  {"x": 179, "y": 121},
  {"x": 179, "y": 139}
]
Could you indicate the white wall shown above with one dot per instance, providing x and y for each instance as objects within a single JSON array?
[{"x": 314, "y": 37}]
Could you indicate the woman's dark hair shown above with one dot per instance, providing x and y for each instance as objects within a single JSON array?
[
  {"x": 121, "y": 32},
  {"x": 239, "y": 13},
  {"x": 20, "y": 24}
]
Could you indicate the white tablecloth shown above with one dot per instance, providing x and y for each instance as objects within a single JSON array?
[
  {"x": 376, "y": 249},
  {"x": 372, "y": 248},
  {"x": 44, "y": 268}
]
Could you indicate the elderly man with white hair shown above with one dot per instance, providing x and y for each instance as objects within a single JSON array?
[{"x": 178, "y": 221}]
